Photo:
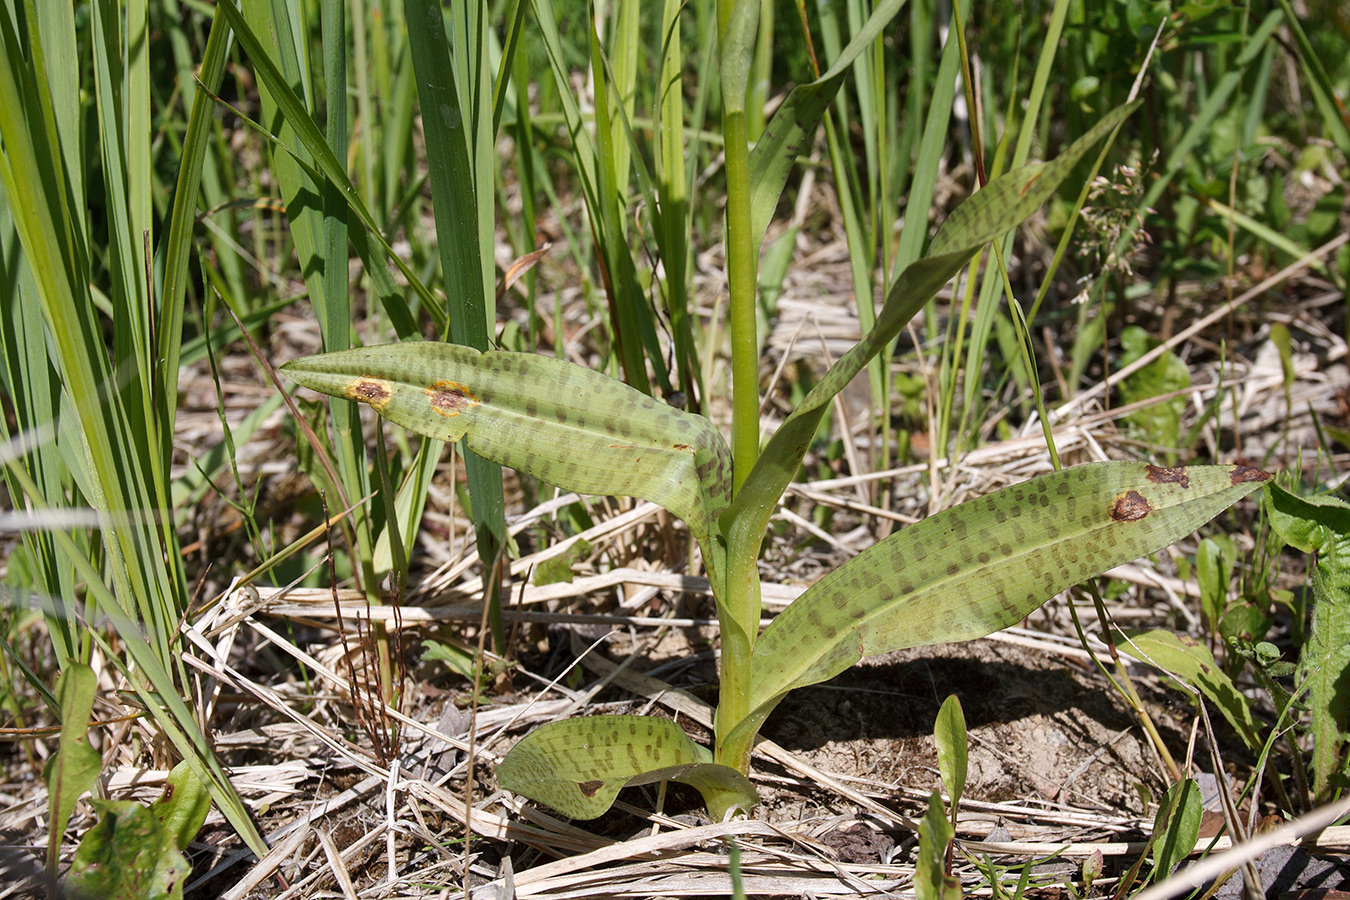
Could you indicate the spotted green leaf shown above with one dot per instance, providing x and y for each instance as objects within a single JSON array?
[
  {"x": 181, "y": 809},
  {"x": 1002, "y": 205},
  {"x": 570, "y": 426},
  {"x": 984, "y": 565},
  {"x": 578, "y": 766}
]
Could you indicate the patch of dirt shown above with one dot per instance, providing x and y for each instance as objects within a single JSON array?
[{"x": 1039, "y": 729}]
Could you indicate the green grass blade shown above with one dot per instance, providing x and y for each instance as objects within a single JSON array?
[
  {"x": 932, "y": 146},
  {"x": 1202, "y": 123},
  {"x": 1334, "y": 116},
  {"x": 181, "y": 223},
  {"x": 291, "y": 109},
  {"x": 33, "y": 388},
  {"x": 623, "y": 65},
  {"x": 117, "y": 480},
  {"x": 456, "y": 108},
  {"x": 317, "y": 225},
  {"x": 629, "y": 313},
  {"x": 795, "y": 122},
  {"x": 984, "y": 565},
  {"x": 336, "y": 307},
  {"x": 673, "y": 206},
  {"x": 56, "y": 23}
]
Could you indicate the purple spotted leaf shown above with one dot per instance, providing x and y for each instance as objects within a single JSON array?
[
  {"x": 574, "y": 428},
  {"x": 578, "y": 766},
  {"x": 984, "y": 565}
]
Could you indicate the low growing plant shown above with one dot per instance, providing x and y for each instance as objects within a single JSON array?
[
  {"x": 958, "y": 575},
  {"x": 1319, "y": 525}
]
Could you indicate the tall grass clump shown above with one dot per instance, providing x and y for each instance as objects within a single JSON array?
[{"x": 92, "y": 336}]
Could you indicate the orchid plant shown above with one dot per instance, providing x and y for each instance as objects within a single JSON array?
[{"x": 958, "y": 575}]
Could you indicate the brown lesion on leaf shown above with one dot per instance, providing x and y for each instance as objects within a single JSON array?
[
  {"x": 1130, "y": 507},
  {"x": 450, "y": 398},
  {"x": 590, "y": 788},
  {"x": 375, "y": 391},
  {"x": 1247, "y": 475},
  {"x": 1030, "y": 181},
  {"x": 1168, "y": 475}
]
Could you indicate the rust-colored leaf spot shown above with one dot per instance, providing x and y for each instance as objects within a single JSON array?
[
  {"x": 590, "y": 788},
  {"x": 685, "y": 447},
  {"x": 1166, "y": 475},
  {"x": 375, "y": 391},
  {"x": 1030, "y": 181},
  {"x": 1247, "y": 474},
  {"x": 449, "y": 398},
  {"x": 1130, "y": 507}
]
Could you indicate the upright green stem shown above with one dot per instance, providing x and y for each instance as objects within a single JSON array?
[
  {"x": 736, "y": 24},
  {"x": 741, "y": 274},
  {"x": 739, "y": 612}
]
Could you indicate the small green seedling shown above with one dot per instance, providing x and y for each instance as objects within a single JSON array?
[
  {"x": 932, "y": 876},
  {"x": 949, "y": 735},
  {"x": 958, "y": 575}
]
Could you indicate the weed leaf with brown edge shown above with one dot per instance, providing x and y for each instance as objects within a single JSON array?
[
  {"x": 1321, "y": 525},
  {"x": 1186, "y": 658},
  {"x": 182, "y": 807},
  {"x": 75, "y": 767},
  {"x": 578, "y": 766},
  {"x": 984, "y": 565},
  {"x": 574, "y": 428}
]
